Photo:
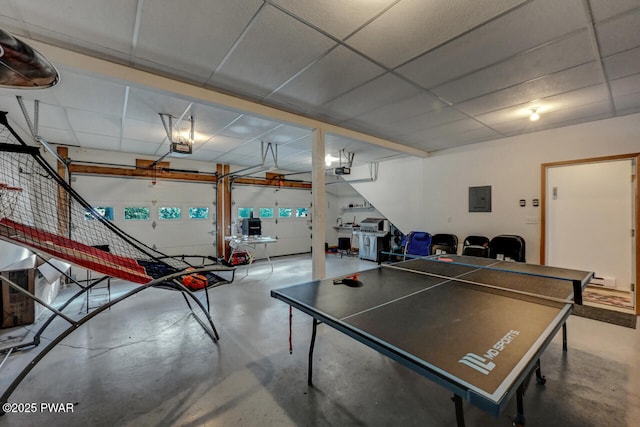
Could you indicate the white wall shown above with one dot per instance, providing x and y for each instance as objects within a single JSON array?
[
  {"x": 293, "y": 234},
  {"x": 432, "y": 194}
]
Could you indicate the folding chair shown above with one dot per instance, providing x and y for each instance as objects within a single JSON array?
[
  {"x": 508, "y": 247},
  {"x": 444, "y": 244},
  {"x": 476, "y": 246}
]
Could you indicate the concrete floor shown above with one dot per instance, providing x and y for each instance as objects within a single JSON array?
[{"x": 147, "y": 362}]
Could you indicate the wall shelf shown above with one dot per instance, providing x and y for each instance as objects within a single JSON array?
[{"x": 358, "y": 208}]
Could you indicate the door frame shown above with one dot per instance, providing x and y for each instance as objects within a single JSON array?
[{"x": 636, "y": 220}]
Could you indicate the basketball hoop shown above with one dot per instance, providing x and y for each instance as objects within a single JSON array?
[{"x": 8, "y": 199}]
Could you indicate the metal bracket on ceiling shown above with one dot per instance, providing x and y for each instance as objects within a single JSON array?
[
  {"x": 33, "y": 128},
  {"x": 170, "y": 129},
  {"x": 347, "y": 156},
  {"x": 269, "y": 148}
]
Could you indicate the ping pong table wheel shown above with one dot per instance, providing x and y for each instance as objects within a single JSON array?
[
  {"x": 541, "y": 380},
  {"x": 519, "y": 421}
]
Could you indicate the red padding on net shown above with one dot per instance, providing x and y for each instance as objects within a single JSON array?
[{"x": 76, "y": 252}]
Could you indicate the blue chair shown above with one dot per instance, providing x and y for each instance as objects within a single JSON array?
[{"x": 418, "y": 244}]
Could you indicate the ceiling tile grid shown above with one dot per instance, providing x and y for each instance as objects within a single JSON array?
[{"x": 428, "y": 75}]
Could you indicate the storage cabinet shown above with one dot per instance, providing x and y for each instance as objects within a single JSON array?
[{"x": 17, "y": 308}]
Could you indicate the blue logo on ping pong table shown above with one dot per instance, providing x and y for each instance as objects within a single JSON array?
[{"x": 485, "y": 364}]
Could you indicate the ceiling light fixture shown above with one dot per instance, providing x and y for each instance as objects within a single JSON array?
[
  {"x": 534, "y": 115},
  {"x": 328, "y": 159}
]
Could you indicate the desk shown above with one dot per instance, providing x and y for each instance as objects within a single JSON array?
[
  {"x": 251, "y": 242},
  {"x": 475, "y": 326}
]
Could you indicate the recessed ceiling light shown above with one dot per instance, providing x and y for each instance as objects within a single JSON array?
[{"x": 534, "y": 115}]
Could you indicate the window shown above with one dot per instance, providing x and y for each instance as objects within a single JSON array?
[
  {"x": 169, "y": 213},
  {"x": 245, "y": 212},
  {"x": 198, "y": 213},
  {"x": 302, "y": 212},
  {"x": 284, "y": 212},
  {"x": 136, "y": 213},
  {"x": 267, "y": 212},
  {"x": 104, "y": 211}
]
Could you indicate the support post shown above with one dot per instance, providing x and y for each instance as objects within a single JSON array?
[{"x": 318, "y": 218}]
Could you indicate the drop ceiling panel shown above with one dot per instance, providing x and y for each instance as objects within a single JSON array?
[
  {"x": 50, "y": 116},
  {"x": 301, "y": 144},
  {"x": 84, "y": 92},
  {"x": 384, "y": 90},
  {"x": 428, "y": 120},
  {"x": 211, "y": 119},
  {"x": 98, "y": 142},
  {"x": 283, "y": 135},
  {"x": 385, "y": 116},
  {"x": 573, "y": 107},
  {"x": 104, "y": 25},
  {"x": 626, "y": 93},
  {"x": 207, "y": 30},
  {"x": 548, "y": 59},
  {"x": 140, "y": 147},
  {"x": 439, "y": 139},
  {"x": 143, "y": 131},
  {"x": 565, "y": 81},
  {"x": 412, "y": 27},
  {"x": 274, "y": 49},
  {"x": 59, "y": 136},
  {"x": 146, "y": 106},
  {"x": 525, "y": 28},
  {"x": 622, "y": 64},
  {"x": 565, "y": 101},
  {"x": 248, "y": 127},
  {"x": 222, "y": 143},
  {"x": 619, "y": 34},
  {"x": 603, "y": 9},
  {"x": 490, "y": 57},
  {"x": 336, "y": 17},
  {"x": 336, "y": 73},
  {"x": 94, "y": 124},
  {"x": 208, "y": 155},
  {"x": 453, "y": 130}
]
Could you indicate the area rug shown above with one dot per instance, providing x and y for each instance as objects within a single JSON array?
[
  {"x": 613, "y": 300},
  {"x": 603, "y": 315}
]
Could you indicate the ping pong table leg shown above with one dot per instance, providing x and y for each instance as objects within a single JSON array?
[
  {"x": 564, "y": 337},
  {"x": 457, "y": 400},
  {"x": 519, "y": 421},
  {"x": 540, "y": 379},
  {"x": 313, "y": 341}
]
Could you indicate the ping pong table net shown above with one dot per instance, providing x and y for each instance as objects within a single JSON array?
[{"x": 39, "y": 210}]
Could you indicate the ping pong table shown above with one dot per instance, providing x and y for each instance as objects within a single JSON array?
[{"x": 475, "y": 326}]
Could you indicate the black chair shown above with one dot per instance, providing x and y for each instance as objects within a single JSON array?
[
  {"x": 444, "y": 244},
  {"x": 508, "y": 247},
  {"x": 344, "y": 245},
  {"x": 476, "y": 246}
]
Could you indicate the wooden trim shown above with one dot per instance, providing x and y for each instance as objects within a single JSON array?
[
  {"x": 273, "y": 183},
  {"x": 592, "y": 160},
  {"x": 63, "y": 196},
  {"x": 143, "y": 163},
  {"x": 543, "y": 202},
  {"x": 543, "y": 212},
  {"x": 637, "y": 234},
  {"x": 140, "y": 173}
]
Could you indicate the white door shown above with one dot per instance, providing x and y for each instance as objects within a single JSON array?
[{"x": 590, "y": 215}]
